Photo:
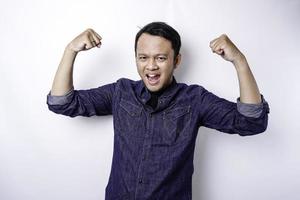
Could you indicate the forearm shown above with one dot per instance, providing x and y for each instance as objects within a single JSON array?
[
  {"x": 249, "y": 92},
  {"x": 63, "y": 80}
]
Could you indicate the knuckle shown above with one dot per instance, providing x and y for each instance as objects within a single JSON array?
[
  {"x": 224, "y": 36},
  {"x": 86, "y": 37}
]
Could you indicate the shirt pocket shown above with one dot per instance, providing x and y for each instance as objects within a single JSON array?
[
  {"x": 176, "y": 123},
  {"x": 129, "y": 118}
]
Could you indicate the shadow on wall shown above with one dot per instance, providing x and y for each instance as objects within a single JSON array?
[
  {"x": 181, "y": 73},
  {"x": 189, "y": 65}
]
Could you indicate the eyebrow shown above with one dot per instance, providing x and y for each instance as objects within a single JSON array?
[{"x": 159, "y": 54}]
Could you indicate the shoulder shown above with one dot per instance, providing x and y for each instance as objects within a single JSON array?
[
  {"x": 125, "y": 83},
  {"x": 193, "y": 89},
  {"x": 127, "y": 86}
]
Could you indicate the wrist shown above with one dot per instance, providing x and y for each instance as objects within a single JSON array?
[
  {"x": 240, "y": 62},
  {"x": 70, "y": 50},
  {"x": 239, "y": 58}
]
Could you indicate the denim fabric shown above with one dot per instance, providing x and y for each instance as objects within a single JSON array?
[{"x": 154, "y": 149}]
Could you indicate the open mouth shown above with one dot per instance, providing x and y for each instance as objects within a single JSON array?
[{"x": 153, "y": 79}]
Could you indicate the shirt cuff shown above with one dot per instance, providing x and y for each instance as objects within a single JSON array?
[
  {"x": 60, "y": 100},
  {"x": 250, "y": 110}
]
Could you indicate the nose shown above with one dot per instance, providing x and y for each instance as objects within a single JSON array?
[{"x": 152, "y": 65}]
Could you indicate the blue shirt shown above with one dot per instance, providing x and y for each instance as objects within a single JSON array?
[{"x": 154, "y": 148}]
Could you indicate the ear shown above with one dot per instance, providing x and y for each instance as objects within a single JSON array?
[{"x": 177, "y": 61}]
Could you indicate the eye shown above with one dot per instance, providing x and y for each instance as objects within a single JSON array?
[
  {"x": 161, "y": 58},
  {"x": 142, "y": 58}
]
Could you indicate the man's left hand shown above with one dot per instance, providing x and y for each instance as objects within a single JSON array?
[{"x": 224, "y": 47}]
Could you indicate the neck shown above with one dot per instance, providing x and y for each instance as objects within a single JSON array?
[{"x": 159, "y": 92}]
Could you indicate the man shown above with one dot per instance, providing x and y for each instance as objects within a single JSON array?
[{"x": 156, "y": 119}]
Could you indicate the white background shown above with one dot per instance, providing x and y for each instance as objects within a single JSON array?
[{"x": 44, "y": 156}]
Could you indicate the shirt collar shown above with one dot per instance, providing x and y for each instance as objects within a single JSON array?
[{"x": 144, "y": 93}]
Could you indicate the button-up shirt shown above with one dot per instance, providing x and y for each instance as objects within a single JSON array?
[{"x": 154, "y": 147}]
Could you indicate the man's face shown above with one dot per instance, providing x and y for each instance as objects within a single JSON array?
[{"x": 155, "y": 61}]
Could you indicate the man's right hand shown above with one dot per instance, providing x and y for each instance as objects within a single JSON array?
[
  {"x": 63, "y": 80},
  {"x": 85, "y": 41}
]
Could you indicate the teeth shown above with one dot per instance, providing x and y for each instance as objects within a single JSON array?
[{"x": 152, "y": 75}]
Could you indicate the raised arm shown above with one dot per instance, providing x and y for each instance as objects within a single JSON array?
[
  {"x": 64, "y": 99},
  {"x": 249, "y": 115},
  {"x": 63, "y": 80},
  {"x": 249, "y": 92}
]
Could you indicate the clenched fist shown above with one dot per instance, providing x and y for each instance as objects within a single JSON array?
[
  {"x": 224, "y": 47},
  {"x": 85, "y": 41}
]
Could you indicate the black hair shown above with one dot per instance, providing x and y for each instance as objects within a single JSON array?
[{"x": 163, "y": 30}]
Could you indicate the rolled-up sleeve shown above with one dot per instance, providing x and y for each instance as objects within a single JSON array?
[
  {"x": 95, "y": 101},
  {"x": 251, "y": 110},
  {"x": 60, "y": 100},
  {"x": 229, "y": 117}
]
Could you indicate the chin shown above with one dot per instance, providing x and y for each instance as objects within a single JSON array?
[{"x": 153, "y": 88}]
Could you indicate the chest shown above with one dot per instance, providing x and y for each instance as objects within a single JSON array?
[{"x": 168, "y": 126}]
